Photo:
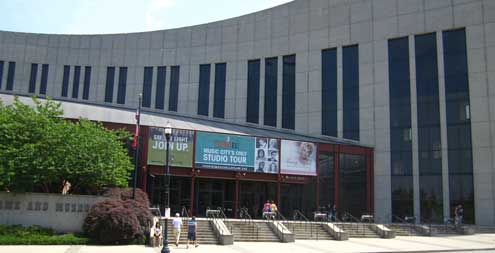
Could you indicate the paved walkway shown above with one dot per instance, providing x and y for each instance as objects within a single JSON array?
[{"x": 466, "y": 243}]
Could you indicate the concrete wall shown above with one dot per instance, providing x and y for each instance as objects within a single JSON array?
[
  {"x": 63, "y": 213},
  {"x": 304, "y": 28}
]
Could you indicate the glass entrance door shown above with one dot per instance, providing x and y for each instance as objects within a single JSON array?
[
  {"x": 213, "y": 194},
  {"x": 252, "y": 195},
  {"x": 180, "y": 193}
]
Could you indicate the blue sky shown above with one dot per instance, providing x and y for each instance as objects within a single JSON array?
[{"x": 119, "y": 16}]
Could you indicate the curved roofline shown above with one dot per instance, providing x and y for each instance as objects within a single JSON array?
[{"x": 160, "y": 30}]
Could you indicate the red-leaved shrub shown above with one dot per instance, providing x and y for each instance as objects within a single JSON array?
[
  {"x": 111, "y": 222},
  {"x": 142, "y": 213},
  {"x": 126, "y": 193}
]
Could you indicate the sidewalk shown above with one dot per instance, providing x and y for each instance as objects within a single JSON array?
[{"x": 466, "y": 243}]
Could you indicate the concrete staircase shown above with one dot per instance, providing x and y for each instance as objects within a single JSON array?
[
  {"x": 358, "y": 230},
  {"x": 444, "y": 230},
  {"x": 255, "y": 231},
  {"x": 404, "y": 229},
  {"x": 205, "y": 234},
  {"x": 308, "y": 230},
  {"x": 485, "y": 230}
]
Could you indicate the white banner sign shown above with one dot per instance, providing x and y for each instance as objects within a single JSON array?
[{"x": 298, "y": 158}]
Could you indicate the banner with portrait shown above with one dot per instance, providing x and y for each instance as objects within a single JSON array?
[
  {"x": 298, "y": 158},
  {"x": 181, "y": 147},
  {"x": 224, "y": 151},
  {"x": 267, "y": 155}
]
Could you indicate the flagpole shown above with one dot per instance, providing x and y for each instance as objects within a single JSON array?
[{"x": 136, "y": 146}]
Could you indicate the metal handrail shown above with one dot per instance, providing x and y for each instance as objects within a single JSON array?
[
  {"x": 280, "y": 225},
  {"x": 184, "y": 212},
  {"x": 358, "y": 223},
  {"x": 246, "y": 218},
  {"x": 284, "y": 220},
  {"x": 306, "y": 222},
  {"x": 412, "y": 229},
  {"x": 224, "y": 219}
]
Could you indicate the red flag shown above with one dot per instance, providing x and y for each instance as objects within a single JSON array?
[{"x": 136, "y": 133}]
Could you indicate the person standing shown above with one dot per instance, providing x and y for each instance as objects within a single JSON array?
[
  {"x": 177, "y": 222},
  {"x": 334, "y": 212},
  {"x": 273, "y": 209},
  {"x": 460, "y": 214},
  {"x": 192, "y": 229}
]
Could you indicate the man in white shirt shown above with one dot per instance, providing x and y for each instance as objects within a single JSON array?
[{"x": 177, "y": 222}]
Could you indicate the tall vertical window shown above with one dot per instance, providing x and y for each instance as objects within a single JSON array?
[
  {"x": 75, "y": 82},
  {"x": 429, "y": 141},
  {"x": 174, "y": 88},
  {"x": 253, "y": 91},
  {"x": 1, "y": 73},
  {"x": 147, "y": 83},
  {"x": 160, "y": 87},
  {"x": 219, "y": 92},
  {"x": 326, "y": 179},
  {"x": 109, "y": 84},
  {"x": 65, "y": 81},
  {"x": 352, "y": 183},
  {"x": 10, "y": 76},
  {"x": 32, "y": 77},
  {"x": 122, "y": 85},
  {"x": 204, "y": 89},
  {"x": 350, "y": 78},
  {"x": 44, "y": 78},
  {"x": 289, "y": 92},
  {"x": 329, "y": 92},
  {"x": 270, "y": 116},
  {"x": 87, "y": 81},
  {"x": 458, "y": 122},
  {"x": 400, "y": 128}
]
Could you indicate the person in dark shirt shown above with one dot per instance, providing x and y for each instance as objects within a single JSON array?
[{"x": 192, "y": 229}]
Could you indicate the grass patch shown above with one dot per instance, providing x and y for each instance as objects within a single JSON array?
[{"x": 36, "y": 235}]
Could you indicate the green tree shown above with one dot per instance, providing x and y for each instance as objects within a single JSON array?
[{"x": 40, "y": 151}]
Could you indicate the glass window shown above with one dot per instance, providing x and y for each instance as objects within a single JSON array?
[
  {"x": 350, "y": 78},
  {"x": 270, "y": 116},
  {"x": 10, "y": 76},
  {"x": 458, "y": 123},
  {"x": 32, "y": 77},
  {"x": 65, "y": 81},
  {"x": 87, "y": 80},
  {"x": 75, "y": 82},
  {"x": 429, "y": 143},
  {"x": 353, "y": 190},
  {"x": 204, "y": 89},
  {"x": 326, "y": 178},
  {"x": 109, "y": 84},
  {"x": 329, "y": 92},
  {"x": 44, "y": 78},
  {"x": 160, "y": 87},
  {"x": 174, "y": 88},
  {"x": 219, "y": 96},
  {"x": 122, "y": 85},
  {"x": 1, "y": 73},
  {"x": 289, "y": 91},
  {"x": 253, "y": 91},
  {"x": 147, "y": 86},
  {"x": 400, "y": 128}
]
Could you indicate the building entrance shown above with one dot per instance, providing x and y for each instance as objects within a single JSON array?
[
  {"x": 213, "y": 194},
  {"x": 252, "y": 195},
  {"x": 180, "y": 193}
]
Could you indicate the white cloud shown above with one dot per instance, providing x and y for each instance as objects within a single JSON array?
[{"x": 152, "y": 16}]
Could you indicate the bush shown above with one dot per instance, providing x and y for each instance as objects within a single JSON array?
[
  {"x": 142, "y": 213},
  {"x": 36, "y": 235},
  {"x": 117, "y": 222},
  {"x": 126, "y": 193}
]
